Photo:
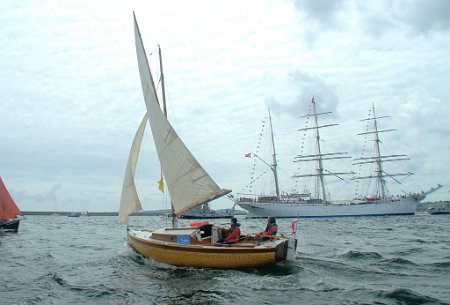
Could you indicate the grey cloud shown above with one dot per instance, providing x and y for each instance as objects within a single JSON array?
[
  {"x": 307, "y": 86},
  {"x": 377, "y": 18},
  {"x": 49, "y": 197},
  {"x": 425, "y": 16},
  {"x": 322, "y": 10}
]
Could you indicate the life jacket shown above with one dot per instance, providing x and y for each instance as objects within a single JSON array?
[
  {"x": 271, "y": 229},
  {"x": 234, "y": 233}
]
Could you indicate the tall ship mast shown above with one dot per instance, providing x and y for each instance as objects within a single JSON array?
[
  {"x": 380, "y": 175},
  {"x": 274, "y": 159},
  {"x": 274, "y": 166},
  {"x": 319, "y": 157}
]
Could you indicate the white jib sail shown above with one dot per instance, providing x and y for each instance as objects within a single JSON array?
[
  {"x": 188, "y": 183},
  {"x": 129, "y": 200}
]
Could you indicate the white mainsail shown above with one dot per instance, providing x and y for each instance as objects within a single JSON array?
[
  {"x": 129, "y": 200},
  {"x": 188, "y": 183}
]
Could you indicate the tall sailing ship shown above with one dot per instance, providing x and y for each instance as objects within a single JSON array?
[{"x": 318, "y": 204}]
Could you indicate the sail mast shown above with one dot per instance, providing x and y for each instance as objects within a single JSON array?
[
  {"x": 380, "y": 180},
  {"x": 319, "y": 157},
  {"x": 378, "y": 159},
  {"x": 319, "y": 161},
  {"x": 163, "y": 89},
  {"x": 274, "y": 157}
]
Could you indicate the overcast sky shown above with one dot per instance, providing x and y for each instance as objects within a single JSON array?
[{"x": 71, "y": 99}]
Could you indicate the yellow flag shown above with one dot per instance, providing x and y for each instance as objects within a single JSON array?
[{"x": 161, "y": 185}]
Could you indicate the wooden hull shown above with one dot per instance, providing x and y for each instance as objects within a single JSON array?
[
  {"x": 206, "y": 216},
  {"x": 208, "y": 256}
]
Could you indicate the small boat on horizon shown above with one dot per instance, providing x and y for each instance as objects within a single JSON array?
[
  {"x": 10, "y": 214},
  {"x": 444, "y": 209},
  {"x": 74, "y": 214}
]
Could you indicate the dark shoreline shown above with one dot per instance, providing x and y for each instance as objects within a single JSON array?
[{"x": 64, "y": 213}]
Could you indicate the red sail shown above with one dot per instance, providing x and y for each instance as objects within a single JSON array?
[{"x": 8, "y": 208}]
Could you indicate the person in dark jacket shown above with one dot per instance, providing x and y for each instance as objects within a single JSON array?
[
  {"x": 233, "y": 233},
  {"x": 271, "y": 229}
]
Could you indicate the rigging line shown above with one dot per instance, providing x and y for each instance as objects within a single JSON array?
[
  {"x": 392, "y": 177},
  {"x": 154, "y": 50},
  {"x": 334, "y": 174},
  {"x": 302, "y": 144},
  {"x": 254, "y": 180},
  {"x": 258, "y": 145}
]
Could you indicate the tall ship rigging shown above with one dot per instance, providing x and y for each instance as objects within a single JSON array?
[{"x": 318, "y": 204}]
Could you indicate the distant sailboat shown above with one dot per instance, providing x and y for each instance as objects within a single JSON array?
[
  {"x": 319, "y": 205},
  {"x": 9, "y": 212},
  {"x": 74, "y": 214},
  {"x": 190, "y": 186}
]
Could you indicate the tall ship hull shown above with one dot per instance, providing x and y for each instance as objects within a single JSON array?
[{"x": 394, "y": 207}]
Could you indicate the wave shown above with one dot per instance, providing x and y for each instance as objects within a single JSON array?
[
  {"x": 406, "y": 296},
  {"x": 398, "y": 261},
  {"x": 88, "y": 290},
  {"x": 281, "y": 269},
  {"x": 408, "y": 251},
  {"x": 361, "y": 255},
  {"x": 441, "y": 264},
  {"x": 55, "y": 277}
]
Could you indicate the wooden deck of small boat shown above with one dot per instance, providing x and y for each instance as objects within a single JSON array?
[
  {"x": 207, "y": 255},
  {"x": 146, "y": 236}
]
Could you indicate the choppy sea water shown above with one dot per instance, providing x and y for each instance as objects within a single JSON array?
[{"x": 363, "y": 260}]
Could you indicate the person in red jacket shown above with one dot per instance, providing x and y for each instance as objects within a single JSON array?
[
  {"x": 271, "y": 229},
  {"x": 233, "y": 233}
]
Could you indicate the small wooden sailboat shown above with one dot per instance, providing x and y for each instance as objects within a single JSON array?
[
  {"x": 190, "y": 186},
  {"x": 9, "y": 212}
]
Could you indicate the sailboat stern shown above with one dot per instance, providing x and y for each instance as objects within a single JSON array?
[
  {"x": 291, "y": 249},
  {"x": 10, "y": 225},
  {"x": 286, "y": 251}
]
